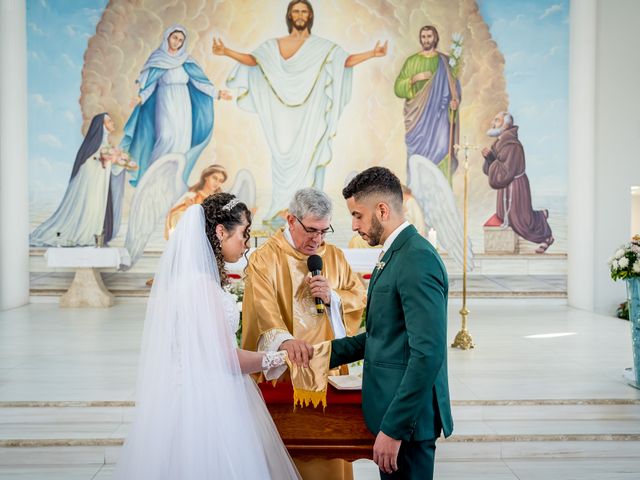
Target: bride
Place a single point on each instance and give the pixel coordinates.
(198, 413)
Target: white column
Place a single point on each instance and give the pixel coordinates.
(14, 189)
(582, 158)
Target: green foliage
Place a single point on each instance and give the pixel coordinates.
(623, 311)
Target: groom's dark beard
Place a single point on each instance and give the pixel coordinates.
(375, 233)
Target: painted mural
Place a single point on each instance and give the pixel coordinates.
(139, 109)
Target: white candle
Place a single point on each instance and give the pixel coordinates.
(432, 236)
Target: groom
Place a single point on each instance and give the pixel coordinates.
(405, 392)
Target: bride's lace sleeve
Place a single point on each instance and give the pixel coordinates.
(273, 360)
(270, 342)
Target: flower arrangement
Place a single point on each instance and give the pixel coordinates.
(455, 54)
(117, 157)
(625, 262)
(236, 288)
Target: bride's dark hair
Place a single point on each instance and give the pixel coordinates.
(215, 214)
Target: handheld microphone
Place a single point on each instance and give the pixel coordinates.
(314, 264)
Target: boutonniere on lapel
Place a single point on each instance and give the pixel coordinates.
(380, 265)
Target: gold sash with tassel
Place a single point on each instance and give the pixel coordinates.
(310, 384)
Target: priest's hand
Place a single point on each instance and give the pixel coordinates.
(320, 288)
(485, 152)
(454, 104)
(299, 351)
(385, 452)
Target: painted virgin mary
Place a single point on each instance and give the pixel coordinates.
(174, 111)
(90, 205)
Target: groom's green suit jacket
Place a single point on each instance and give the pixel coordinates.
(405, 390)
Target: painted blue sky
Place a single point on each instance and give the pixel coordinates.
(57, 36)
(532, 34)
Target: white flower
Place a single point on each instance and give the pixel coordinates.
(457, 51)
(610, 261)
(457, 37)
(619, 253)
(452, 62)
(623, 262)
(614, 265)
(636, 266)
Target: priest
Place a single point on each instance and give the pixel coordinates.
(279, 311)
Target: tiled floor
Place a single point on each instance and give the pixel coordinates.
(539, 374)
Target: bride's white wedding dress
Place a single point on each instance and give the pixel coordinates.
(197, 416)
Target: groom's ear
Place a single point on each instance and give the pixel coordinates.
(383, 209)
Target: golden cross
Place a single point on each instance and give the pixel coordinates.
(465, 147)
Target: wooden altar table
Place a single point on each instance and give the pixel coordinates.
(308, 433)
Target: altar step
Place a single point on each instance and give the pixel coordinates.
(126, 284)
(494, 276)
(485, 264)
(91, 433)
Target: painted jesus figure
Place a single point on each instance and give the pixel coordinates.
(298, 85)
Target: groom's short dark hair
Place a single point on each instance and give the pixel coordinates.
(377, 181)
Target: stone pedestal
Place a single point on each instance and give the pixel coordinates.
(87, 290)
(500, 240)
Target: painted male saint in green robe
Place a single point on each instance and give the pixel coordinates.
(432, 97)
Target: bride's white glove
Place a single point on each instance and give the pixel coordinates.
(273, 359)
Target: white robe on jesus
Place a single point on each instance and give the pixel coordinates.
(299, 102)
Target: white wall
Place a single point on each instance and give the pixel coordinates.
(635, 210)
(617, 140)
(599, 183)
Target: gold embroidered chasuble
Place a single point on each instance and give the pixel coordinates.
(277, 298)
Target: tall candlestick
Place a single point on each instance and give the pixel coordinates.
(463, 339)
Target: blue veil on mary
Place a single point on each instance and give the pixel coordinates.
(141, 132)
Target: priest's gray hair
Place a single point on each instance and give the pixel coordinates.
(310, 202)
